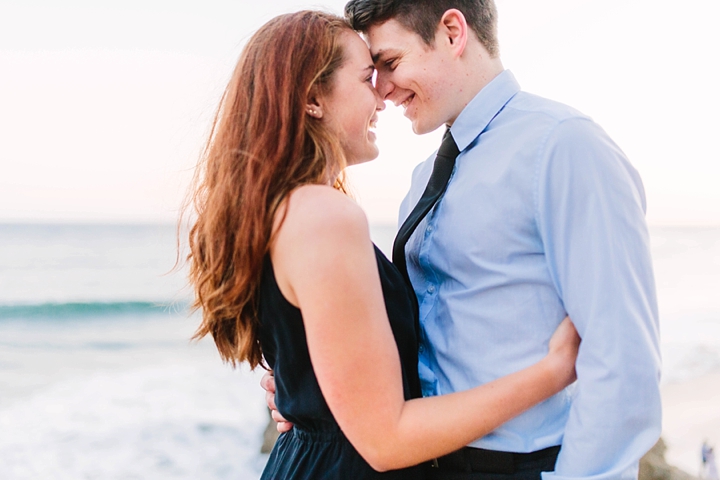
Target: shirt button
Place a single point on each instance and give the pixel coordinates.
(431, 289)
(429, 228)
(421, 348)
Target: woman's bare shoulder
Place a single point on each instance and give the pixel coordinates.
(319, 210)
(315, 228)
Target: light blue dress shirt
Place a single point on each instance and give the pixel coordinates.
(543, 216)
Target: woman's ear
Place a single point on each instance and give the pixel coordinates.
(454, 30)
(313, 107)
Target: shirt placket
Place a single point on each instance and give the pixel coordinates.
(427, 296)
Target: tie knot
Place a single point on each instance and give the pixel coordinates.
(448, 147)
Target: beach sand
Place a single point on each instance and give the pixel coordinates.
(691, 414)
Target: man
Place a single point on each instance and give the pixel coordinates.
(542, 216)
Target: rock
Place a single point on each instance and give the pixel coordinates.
(654, 467)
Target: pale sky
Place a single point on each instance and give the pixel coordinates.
(104, 106)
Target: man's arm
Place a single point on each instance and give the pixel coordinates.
(590, 211)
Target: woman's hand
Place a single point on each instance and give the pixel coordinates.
(563, 351)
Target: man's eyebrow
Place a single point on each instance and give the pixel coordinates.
(383, 53)
(377, 56)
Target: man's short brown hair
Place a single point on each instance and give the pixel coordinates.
(423, 17)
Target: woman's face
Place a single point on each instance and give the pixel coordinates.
(350, 109)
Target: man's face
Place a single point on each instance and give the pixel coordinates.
(412, 74)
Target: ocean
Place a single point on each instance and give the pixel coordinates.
(98, 378)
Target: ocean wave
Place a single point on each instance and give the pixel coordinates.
(88, 309)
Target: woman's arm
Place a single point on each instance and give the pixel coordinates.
(325, 264)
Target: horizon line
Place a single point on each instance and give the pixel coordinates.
(174, 223)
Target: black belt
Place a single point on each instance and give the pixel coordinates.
(470, 459)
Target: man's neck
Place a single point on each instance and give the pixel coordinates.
(479, 70)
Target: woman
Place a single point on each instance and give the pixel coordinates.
(283, 267)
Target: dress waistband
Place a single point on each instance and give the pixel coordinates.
(301, 434)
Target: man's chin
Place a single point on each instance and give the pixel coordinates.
(417, 126)
(421, 128)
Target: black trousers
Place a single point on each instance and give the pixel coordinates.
(477, 464)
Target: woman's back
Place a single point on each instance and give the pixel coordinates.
(315, 447)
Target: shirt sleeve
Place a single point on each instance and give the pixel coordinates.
(591, 218)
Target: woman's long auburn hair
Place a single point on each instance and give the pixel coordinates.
(262, 146)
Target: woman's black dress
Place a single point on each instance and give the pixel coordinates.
(316, 447)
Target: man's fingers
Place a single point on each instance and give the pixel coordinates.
(277, 416)
(283, 427)
(270, 400)
(267, 382)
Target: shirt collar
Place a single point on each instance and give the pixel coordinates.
(478, 114)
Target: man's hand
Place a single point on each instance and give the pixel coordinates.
(267, 382)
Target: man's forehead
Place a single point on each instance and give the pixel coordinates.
(389, 38)
(381, 45)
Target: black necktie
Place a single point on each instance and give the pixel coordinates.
(442, 168)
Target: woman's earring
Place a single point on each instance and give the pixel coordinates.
(313, 112)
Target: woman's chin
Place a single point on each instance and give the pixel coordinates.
(368, 156)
